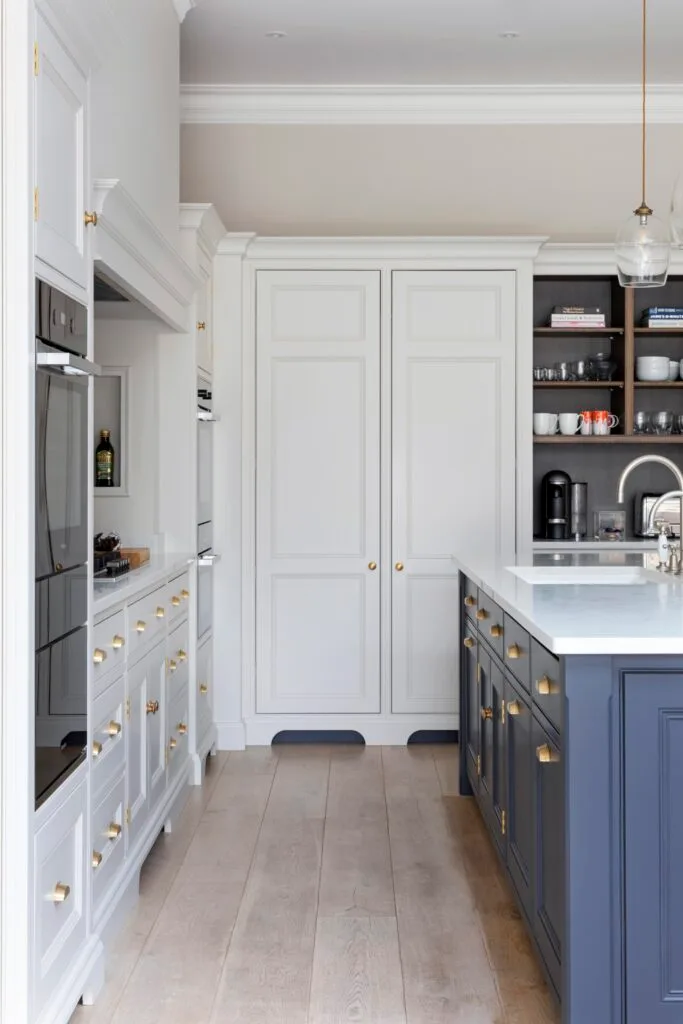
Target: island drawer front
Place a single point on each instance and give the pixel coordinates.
(108, 646)
(108, 743)
(146, 622)
(489, 617)
(107, 840)
(470, 597)
(546, 683)
(178, 596)
(517, 651)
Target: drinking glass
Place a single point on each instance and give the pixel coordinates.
(663, 422)
(642, 423)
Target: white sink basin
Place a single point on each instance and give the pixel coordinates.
(621, 575)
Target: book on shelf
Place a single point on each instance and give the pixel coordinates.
(576, 322)
(658, 322)
(662, 319)
(662, 311)
(579, 310)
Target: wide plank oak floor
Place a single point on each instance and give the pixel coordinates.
(322, 885)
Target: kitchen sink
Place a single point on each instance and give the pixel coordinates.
(610, 575)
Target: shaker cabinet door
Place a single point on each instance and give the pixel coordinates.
(549, 878)
(470, 726)
(520, 826)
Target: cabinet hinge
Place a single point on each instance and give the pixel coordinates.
(503, 822)
(36, 59)
(36, 203)
(128, 816)
(128, 708)
(478, 673)
(478, 764)
(502, 712)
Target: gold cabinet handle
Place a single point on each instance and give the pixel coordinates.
(514, 651)
(545, 686)
(514, 708)
(399, 567)
(96, 748)
(61, 892)
(160, 612)
(99, 656)
(372, 566)
(203, 689)
(140, 626)
(182, 655)
(172, 666)
(201, 325)
(114, 728)
(486, 713)
(175, 600)
(482, 614)
(173, 743)
(90, 218)
(496, 631)
(113, 830)
(152, 707)
(117, 642)
(182, 728)
(184, 594)
(470, 602)
(546, 755)
(96, 859)
(468, 642)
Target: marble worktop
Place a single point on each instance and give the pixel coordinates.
(586, 618)
(109, 594)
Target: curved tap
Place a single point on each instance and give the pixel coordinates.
(641, 461)
(657, 505)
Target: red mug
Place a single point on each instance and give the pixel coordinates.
(587, 422)
(603, 421)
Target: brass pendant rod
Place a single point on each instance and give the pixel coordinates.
(643, 203)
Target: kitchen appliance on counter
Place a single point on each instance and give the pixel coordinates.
(579, 511)
(669, 512)
(205, 555)
(556, 505)
(62, 536)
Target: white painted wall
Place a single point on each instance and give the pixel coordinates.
(135, 110)
(572, 182)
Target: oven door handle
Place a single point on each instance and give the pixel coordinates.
(204, 416)
(68, 363)
(206, 561)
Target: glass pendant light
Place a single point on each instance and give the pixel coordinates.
(643, 247)
(677, 212)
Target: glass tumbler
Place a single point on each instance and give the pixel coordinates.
(642, 423)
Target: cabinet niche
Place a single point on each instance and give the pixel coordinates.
(111, 413)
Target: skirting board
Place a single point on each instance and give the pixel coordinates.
(376, 730)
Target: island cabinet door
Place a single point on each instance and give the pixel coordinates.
(548, 874)
(496, 726)
(520, 818)
(653, 748)
(470, 725)
(485, 712)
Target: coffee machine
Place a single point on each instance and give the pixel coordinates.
(556, 505)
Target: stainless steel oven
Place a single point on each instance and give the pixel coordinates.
(62, 535)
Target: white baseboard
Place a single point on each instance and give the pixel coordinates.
(376, 730)
(230, 736)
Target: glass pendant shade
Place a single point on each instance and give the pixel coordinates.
(643, 250)
(677, 212)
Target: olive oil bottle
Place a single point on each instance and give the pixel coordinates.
(104, 461)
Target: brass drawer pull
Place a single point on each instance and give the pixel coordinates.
(182, 655)
(140, 626)
(172, 666)
(96, 859)
(482, 614)
(96, 748)
(546, 755)
(113, 830)
(152, 707)
(468, 642)
(486, 713)
(203, 689)
(514, 651)
(173, 743)
(514, 708)
(160, 612)
(546, 687)
(175, 601)
(61, 893)
(496, 631)
(184, 594)
(470, 602)
(99, 656)
(182, 728)
(114, 728)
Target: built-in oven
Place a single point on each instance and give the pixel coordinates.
(62, 535)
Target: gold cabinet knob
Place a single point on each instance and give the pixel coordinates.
(61, 892)
(172, 666)
(160, 612)
(399, 567)
(182, 728)
(173, 743)
(496, 631)
(152, 707)
(514, 708)
(514, 651)
(203, 689)
(545, 686)
(546, 755)
(114, 728)
(201, 325)
(468, 642)
(470, 602)
(482, 614)
(90, 218)
(117, 642)
(184, 594)
(113, 830)
(140, 626)
(486, 713)
(372, 566)
(99, 656)
(96, 859)
(182, 655)
(175, 600)
(96, 748)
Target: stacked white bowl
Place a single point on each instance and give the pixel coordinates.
(652, 368)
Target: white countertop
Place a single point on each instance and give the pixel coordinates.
(588, 618)
(159, 567)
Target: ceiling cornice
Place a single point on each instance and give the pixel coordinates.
(436, 105)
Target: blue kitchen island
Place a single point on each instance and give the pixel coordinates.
(571, 741)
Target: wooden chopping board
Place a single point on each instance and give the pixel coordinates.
(136, 556)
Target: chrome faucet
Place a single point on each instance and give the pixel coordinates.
(663, 461)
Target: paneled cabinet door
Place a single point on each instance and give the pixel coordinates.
(155, 710)
(492, 745)
(137, 803)
(453, 463)
(548, 874)
(520, 827)
(60, 154)
(317, 492)
(653, 742)
(470, 728)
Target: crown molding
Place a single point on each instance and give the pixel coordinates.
(201, 231)
(510, 248)
(438, 105)
(88, 28)
(183, 6)
(588, 258)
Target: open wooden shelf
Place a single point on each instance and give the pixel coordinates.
(658, 384)
(609, 439)
(603, 385)
(559, 331)
(658, 330)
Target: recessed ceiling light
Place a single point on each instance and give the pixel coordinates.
(509, 35)
(277, 34)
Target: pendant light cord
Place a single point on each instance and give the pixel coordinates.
(643, 91)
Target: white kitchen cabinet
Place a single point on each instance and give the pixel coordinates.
(146, 757)
(61, 125)
(452, 463)
(204, 328)
(318, 491)
(204, 694)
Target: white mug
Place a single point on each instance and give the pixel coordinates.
(545, 423)
(553, 422)
(570, 422)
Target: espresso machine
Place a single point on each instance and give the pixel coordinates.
(556, 489)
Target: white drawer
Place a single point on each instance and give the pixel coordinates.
(107, 839)
(204, 702)
(178, 596)
(59, 894)
(109, 646)
(178, 734)
(177, 661)
(108, 750)
(146, 622)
